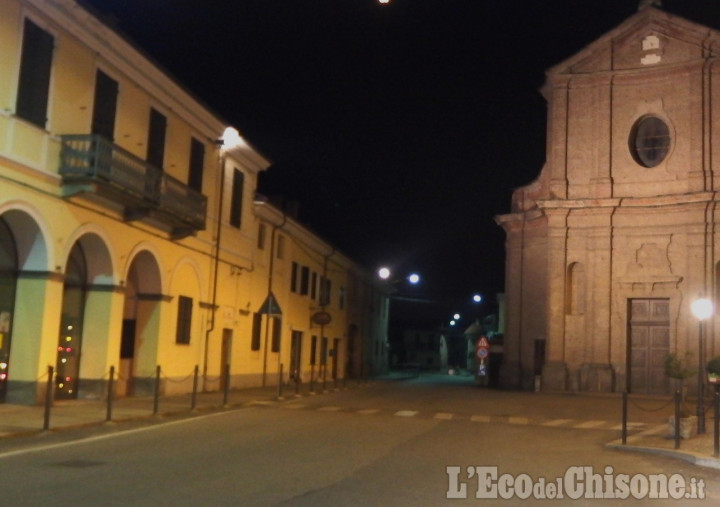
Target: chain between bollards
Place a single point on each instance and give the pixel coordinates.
(48, 397)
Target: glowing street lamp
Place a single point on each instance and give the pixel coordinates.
(477, 298)
(456, 316)
(702, 309)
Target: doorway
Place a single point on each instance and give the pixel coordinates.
(295, 356)
(648, 345)
(225, 355)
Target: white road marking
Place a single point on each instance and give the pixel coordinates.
(558, 422)
(406, 413)
(444, 416)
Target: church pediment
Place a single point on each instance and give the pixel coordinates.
(649, 39)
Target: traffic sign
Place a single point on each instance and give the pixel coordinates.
(482, 352)
(483, 343)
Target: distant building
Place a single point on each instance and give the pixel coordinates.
(130, 236)
(608, 248)
(426, 349)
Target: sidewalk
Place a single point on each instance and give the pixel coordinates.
(697, 450)
(23, 420)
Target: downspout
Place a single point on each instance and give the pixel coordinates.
(216, 267)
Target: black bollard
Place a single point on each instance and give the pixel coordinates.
(226, 384)
(193, 398)
(624, 416)
(716, 423)
(48, 397)
(156, 392)
(677, 420)
(108, 415)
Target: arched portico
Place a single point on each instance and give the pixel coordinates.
(141, 325)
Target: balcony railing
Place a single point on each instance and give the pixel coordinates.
(142, 189)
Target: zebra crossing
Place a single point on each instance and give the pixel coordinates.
(567, 423)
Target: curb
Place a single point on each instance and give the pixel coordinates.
(688, 456)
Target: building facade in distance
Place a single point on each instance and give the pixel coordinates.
(609, 246)
(131, 236)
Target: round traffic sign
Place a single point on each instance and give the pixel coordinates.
(482, 352)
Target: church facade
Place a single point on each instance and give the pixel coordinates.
(608, 248)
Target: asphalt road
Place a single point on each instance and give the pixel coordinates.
(389, 444)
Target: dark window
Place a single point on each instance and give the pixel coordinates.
(257, 325)
(261, 237)
(650, 141)
(106, 92)
(184, 320)
(197, 159)
(325, 288)
(313, 286)
(341, 298)
(34, 83)
(276, 334)
(323, 351)
(280, 246)
(237, 198)
(294, 277)
(313, 349)
(305, 281)
(156, 139)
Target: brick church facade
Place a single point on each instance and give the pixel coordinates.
(619, 234)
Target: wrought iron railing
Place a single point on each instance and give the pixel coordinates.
(94, 158)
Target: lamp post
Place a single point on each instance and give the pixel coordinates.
(702, 309)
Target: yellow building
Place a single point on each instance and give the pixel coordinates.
(130, 236)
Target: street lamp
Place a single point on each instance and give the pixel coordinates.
(702, 309)
(384, 273)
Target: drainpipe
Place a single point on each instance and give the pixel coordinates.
(216, 266)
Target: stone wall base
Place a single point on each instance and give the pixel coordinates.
(555, 376)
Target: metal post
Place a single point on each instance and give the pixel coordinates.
(677, 419)
(156, 393)
(280, 374)
(716, 423)
(297, 383)
(193, 399)
(312, 378)
(108, 416)
(48, 397)
(226, 384)
(701, 380)
(624, 416)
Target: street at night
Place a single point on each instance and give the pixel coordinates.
(385, 443)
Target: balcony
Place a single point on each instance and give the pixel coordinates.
(92, 166)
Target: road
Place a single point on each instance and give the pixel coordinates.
(387, 444)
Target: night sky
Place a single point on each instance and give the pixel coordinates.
(400, 129)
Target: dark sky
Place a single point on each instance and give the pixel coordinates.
(401, 129)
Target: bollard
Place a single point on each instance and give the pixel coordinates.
(297, 384)
(193, 398)
(624, 430)
(108, 416)
(48, 398)
(226, 384)
(312, 378)
(677, 420)
(324, 377)
(156, 392)
(280, 373)
(716, 439)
